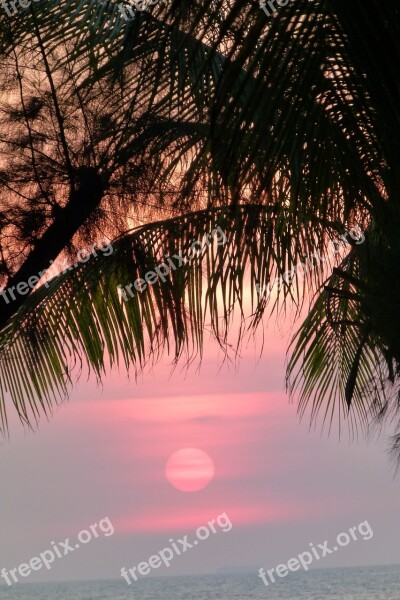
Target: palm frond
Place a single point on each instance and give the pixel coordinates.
(81, 316)
(287, 95)
(299, 111)
(338, 364)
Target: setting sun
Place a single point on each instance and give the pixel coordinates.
(189, 469)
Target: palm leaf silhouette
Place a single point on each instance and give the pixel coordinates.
(294, 118)
(81, 316)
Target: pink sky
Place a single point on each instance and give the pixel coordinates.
(104, 454)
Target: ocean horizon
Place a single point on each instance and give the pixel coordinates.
(344, 583)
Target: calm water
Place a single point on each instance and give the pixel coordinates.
(367, 583)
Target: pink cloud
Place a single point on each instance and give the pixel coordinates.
(173, 520)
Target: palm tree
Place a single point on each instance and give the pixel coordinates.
(281, 129)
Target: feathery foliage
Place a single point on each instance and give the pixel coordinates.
(294, 117)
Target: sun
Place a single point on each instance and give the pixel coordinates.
(189, 469)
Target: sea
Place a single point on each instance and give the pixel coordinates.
(361, 583)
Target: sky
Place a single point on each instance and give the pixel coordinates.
(280, 484)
